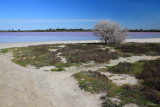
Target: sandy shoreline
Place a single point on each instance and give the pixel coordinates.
(21, 44)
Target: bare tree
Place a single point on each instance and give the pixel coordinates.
(110, 32)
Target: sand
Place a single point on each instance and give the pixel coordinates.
(22, 44)
(30, 87)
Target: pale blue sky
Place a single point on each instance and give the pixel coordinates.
(43, 14)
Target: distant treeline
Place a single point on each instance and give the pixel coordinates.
(141, 30)
(49, 30)
(74, 30)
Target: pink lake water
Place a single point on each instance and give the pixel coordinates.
(11, 37)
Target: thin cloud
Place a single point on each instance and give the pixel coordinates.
(38, 21)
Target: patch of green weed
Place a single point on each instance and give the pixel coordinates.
(58, 69)
(126, 68)
(95, 82)
(35, 55)
(6, 50)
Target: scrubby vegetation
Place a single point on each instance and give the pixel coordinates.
(151, 94)
(147, 93)
(39, 56)
(151, 78)
(75, 53)
(3, 51)
(139, 48)
(149, 72)
(122, 67)
(95, 82)
(126, 68)
(128, 94)
(81, 53)
(58, 69)
(35, 55)
(133, 94)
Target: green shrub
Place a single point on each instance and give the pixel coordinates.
(126, 68)
(5, 50)
(140, 48)
(151, 95)
(151, 74)
(122, 67)
(95, 82)
(151, 80)
(58, 69)
(35, 55)
(81, 53)
(132, 94)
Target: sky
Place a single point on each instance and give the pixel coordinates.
(44, 14)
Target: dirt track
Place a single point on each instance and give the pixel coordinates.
(29, 87)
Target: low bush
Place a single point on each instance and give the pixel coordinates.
(81, 53)
(140, 48)
(153, 83)
(151, 74)
(58, 69)
(35, 55)
(126, 68)
(151, 80)
(151, 95)
(63, 65)
(132, 94)
(3, 51)
(109, 103)
(122, 67)
(95, 82)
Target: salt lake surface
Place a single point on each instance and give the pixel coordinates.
(11, 37)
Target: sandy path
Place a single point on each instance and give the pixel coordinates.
(29, 87)
(17, 87)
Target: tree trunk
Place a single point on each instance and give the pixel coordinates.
(105, 40)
